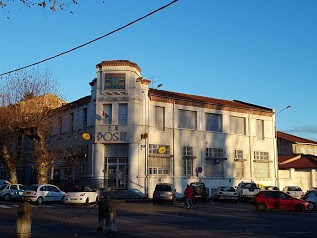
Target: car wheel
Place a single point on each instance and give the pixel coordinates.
(311, 205)
(62, 200)
(7, 197)
(39, 201)
(299, 208)
(261, 206)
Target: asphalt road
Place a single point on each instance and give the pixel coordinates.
(142, 219)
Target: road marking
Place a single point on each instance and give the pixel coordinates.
(4, 206)
(299, 232)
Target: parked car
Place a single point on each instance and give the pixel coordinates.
(294, 191)
(11, 191)
(246, 190)
(270, 188)
(81, 195)
(40, 193)
(3, 181)
(200, 191)
(226, 193)
(164, 192)
(273, 199)
(311, 198)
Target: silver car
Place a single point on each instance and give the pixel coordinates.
(294, 191)
(311, 197)
(164, 192)
(11, 191)
(40, 193)
(226, 193)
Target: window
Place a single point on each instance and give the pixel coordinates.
(260, 155)
(123, 114)
(239, 163)
(160, 118)
(237, 125)
(159, 149)
(187, 119)
(214, 162)
(85, 118)
(214, 168)
(60, 125)
(261, 164)
(71, 124)
(188, 161)
(107, 114)
(160, 161)
(213, 122)
(160, 165)
(188, 151)
(188, 166)
(260, 129)
(214, 153)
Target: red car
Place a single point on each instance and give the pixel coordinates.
(272, 199)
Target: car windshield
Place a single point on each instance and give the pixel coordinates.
(163, 188)
(79, 189)
(2, 186)
(249, 185)
(197, 185)
(32, 187)
(227, 189)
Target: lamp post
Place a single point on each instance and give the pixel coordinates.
(275, 146)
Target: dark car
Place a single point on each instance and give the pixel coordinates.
(274, 199)
(200, 191)
(164, 192)
(311, 197)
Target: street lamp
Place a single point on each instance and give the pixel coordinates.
(275, 146)
(282, 110)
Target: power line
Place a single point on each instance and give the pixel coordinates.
(89, 42)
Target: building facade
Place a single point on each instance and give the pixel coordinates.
(128, 135)
(297, 161)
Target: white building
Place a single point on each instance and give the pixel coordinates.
(140, 136)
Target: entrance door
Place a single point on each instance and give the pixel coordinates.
(116, 172)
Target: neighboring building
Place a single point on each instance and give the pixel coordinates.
(127, 135)
(297, 161)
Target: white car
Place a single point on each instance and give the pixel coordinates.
(294, 191)
(11, 191)
(226, 193)
(81, 195)
(40, 193)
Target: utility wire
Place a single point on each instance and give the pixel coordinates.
(77, 47)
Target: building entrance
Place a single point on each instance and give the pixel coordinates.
(116, 172)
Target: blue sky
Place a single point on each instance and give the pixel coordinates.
(260, 52)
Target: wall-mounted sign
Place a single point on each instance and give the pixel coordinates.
(162, 150)
(199, 170)
(114, 81)
(112, 136)
(85, 136)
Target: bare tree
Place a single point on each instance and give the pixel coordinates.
(29, 100)
(52, 5)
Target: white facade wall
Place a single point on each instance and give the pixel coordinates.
(115, 141)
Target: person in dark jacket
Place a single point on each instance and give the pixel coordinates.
(188, 193)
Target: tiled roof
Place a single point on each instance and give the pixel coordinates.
(304, 162)
(79, 102)
(293, 138)
(118, 63)
(158, 95)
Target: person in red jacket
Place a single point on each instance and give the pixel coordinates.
(188, 193)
